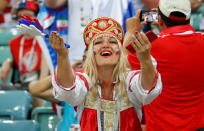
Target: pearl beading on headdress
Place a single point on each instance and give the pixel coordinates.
(103, 25)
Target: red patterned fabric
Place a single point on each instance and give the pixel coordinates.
(103, 25)
(84, 79)
(15, 50)
(128, 120)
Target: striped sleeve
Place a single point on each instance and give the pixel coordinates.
(136, 91)
(75, 94)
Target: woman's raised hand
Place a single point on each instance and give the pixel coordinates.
(57, 43)
(142, 45)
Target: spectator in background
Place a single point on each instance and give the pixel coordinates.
(196, 4)
(145, 5)
(197, 15)
(179, 58)
(26, 53)
(6, 20)
(53, 19)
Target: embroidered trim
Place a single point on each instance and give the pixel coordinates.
(66, 89)
(154, 84)
(132, 78)
(83, 78)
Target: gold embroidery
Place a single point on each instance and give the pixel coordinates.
(109, 121)
(100, 26)
(109, 108)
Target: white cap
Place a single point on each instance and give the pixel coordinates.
(169, 6)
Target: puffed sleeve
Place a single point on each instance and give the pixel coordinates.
(137, 93)
(75, 94)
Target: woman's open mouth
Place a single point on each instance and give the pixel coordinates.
(106, 53)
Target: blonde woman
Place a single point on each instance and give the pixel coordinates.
(107, 95)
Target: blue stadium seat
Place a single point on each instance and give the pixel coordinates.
(47, 118)
(58, 126)
(7, 35)
(15, 105)
(4, 55)
(19, 125)
(47, 104)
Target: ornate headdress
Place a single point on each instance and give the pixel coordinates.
(100, 26)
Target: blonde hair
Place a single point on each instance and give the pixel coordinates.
(119, 72)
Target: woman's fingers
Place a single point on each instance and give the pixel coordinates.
(141, 43)
(61, 41)
(54, 40)
(140, 38)
(134, 45)
(57, 43)
(147, 43)
(51, 38)
(137, 43)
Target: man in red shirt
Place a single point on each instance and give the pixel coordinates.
(178, 54)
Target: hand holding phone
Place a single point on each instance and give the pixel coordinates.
(150, 35)
(148, 15)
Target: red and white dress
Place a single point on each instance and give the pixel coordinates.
(93, 112)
